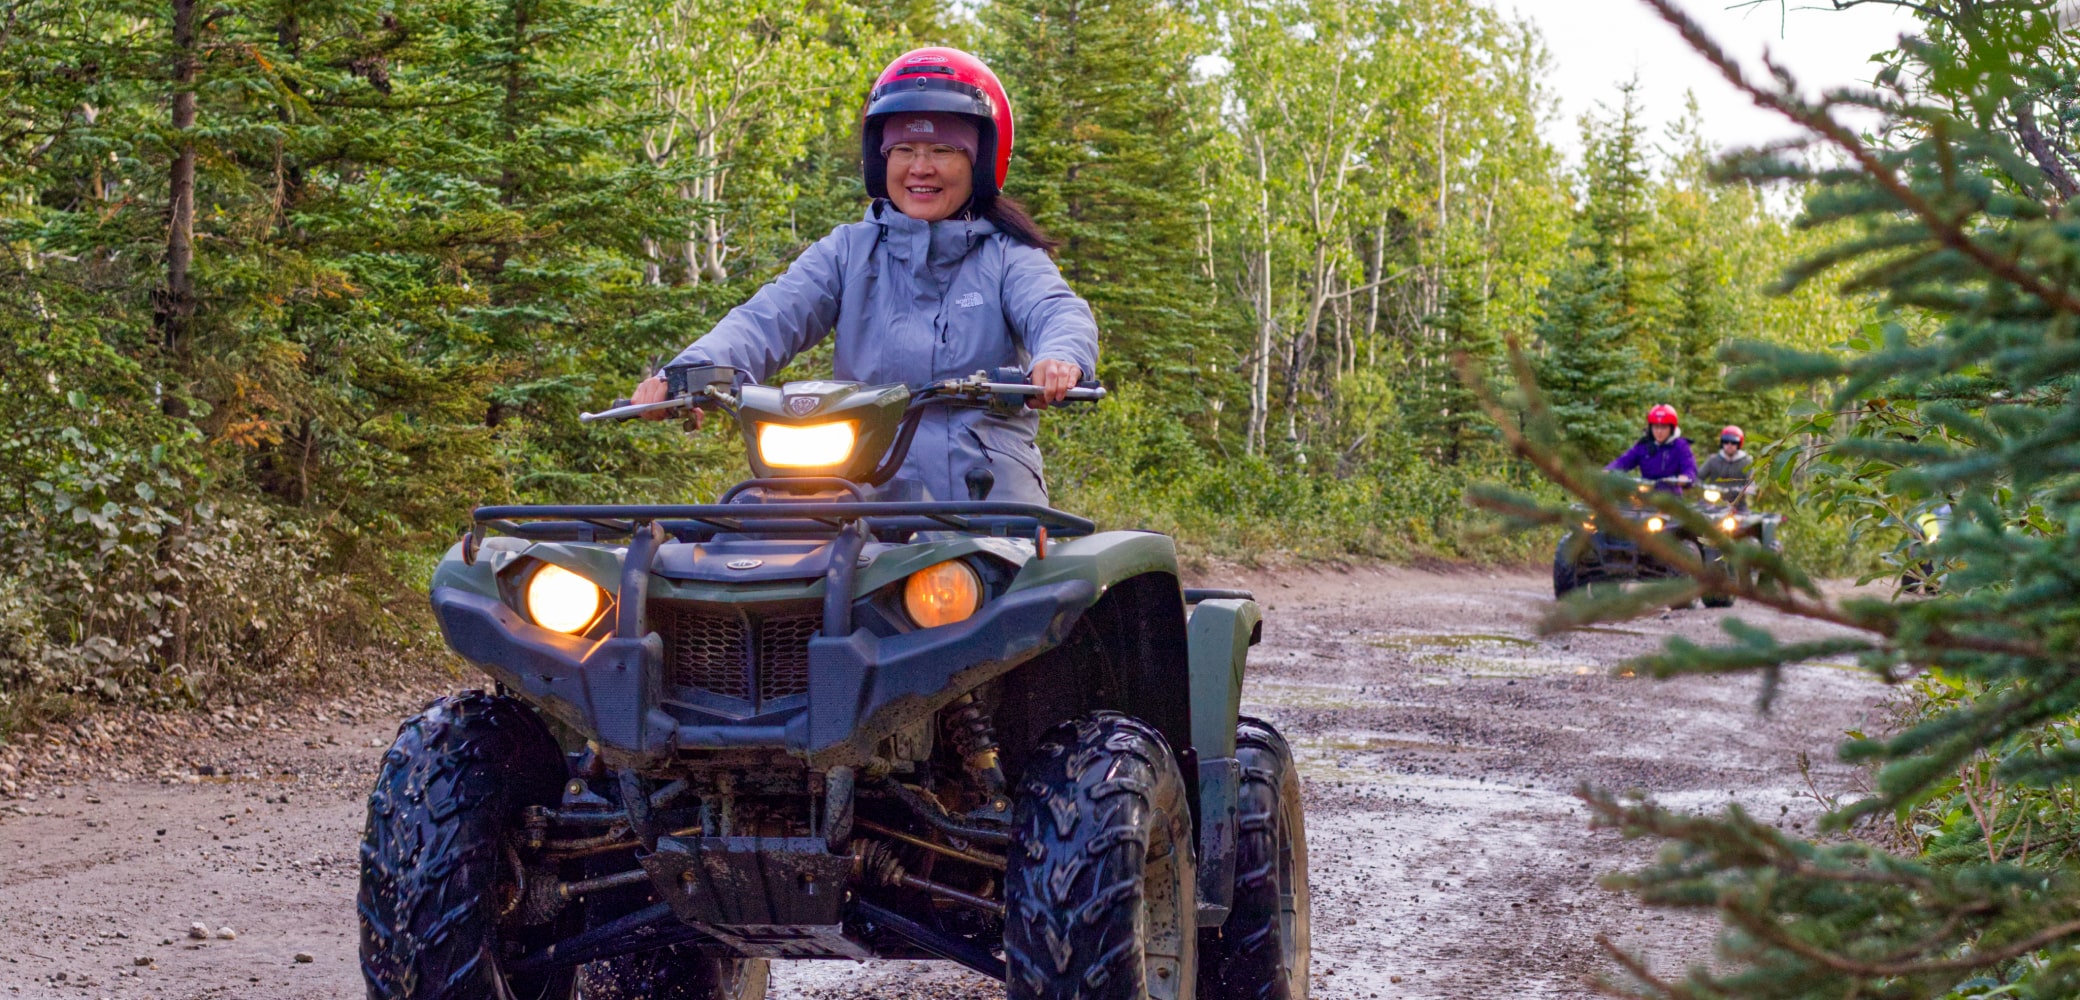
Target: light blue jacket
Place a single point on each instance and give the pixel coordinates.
(914, 302)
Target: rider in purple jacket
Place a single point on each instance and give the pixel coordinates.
(1662, 454)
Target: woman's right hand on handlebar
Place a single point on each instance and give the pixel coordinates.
(653, 390)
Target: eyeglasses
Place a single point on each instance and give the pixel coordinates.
(939, 154)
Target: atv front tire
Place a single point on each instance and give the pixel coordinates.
(675, 973)
(1261, 952)
(1564, 578)
(1101, 899)
(436, 871)
(1712, 562)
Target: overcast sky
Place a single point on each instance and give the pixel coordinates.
(1596, 44)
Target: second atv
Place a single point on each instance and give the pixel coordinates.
(814, 720)
(1595, 554)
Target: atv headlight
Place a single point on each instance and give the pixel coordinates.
(942, 594)
(1656, 524)
(1712, 496)
(1730, 524)
(808, 446)
(562, 601)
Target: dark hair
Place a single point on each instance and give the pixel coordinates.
(1011, 219)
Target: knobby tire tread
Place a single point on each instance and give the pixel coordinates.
(455, 779)
(1091, 796)
(1244, 959)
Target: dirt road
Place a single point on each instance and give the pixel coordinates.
(1439, 741)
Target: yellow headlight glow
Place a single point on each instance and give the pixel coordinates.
(562, 601)
(942, 594)
(1656, 524)
(1730, 525)
(1712, 496)
(812, 446)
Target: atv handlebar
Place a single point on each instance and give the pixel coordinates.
(975, 390)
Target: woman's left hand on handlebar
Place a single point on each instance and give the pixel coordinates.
(653, 390)
(1055, 379)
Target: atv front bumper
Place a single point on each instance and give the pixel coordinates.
(862, 687)
(1609, 556)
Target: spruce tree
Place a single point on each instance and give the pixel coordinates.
(1108, 121)
(1601, 326)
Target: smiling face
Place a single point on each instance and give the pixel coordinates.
(1662, 432)
(929, 181)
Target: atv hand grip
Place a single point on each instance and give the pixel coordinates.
(1085, 392)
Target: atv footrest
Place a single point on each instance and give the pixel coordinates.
(780, 896)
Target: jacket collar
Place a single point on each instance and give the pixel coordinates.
(943, 242)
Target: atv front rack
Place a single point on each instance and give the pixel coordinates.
(885, 520)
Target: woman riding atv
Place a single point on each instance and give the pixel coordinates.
(1729, 465)
(1662, 453)
(945, 277)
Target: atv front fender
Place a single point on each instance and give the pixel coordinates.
(607, 688)
(1220, 635)
(861, 688)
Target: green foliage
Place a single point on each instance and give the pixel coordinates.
(1129, 463)
(427, 233)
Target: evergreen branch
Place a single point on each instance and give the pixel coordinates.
(1635, 968)
(1768, 929)
(1786, 101)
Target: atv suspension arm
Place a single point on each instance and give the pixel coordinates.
(940, 821)
(943, 945)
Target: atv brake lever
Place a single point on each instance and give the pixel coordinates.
(625, 410)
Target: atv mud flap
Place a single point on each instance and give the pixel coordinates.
(764, 897)
(1220, 783)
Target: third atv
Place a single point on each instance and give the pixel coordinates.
(815, 720)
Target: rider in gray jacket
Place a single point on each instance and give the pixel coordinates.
(943, 278)
(1730, 464)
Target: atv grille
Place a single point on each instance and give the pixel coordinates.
(783, 654)
(746, 655)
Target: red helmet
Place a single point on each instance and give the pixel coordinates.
(1662, 414)
(940, 79)
(1734, 434)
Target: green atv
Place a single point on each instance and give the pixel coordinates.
(811, 721)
